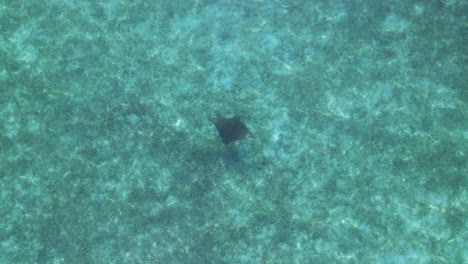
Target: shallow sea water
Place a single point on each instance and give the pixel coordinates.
(358, 110)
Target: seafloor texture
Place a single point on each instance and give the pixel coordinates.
(359, 111)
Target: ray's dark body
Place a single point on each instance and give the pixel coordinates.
(231, 129)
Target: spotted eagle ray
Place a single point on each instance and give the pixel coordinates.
(231, 129)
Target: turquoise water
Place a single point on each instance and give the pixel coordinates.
(359, 111)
